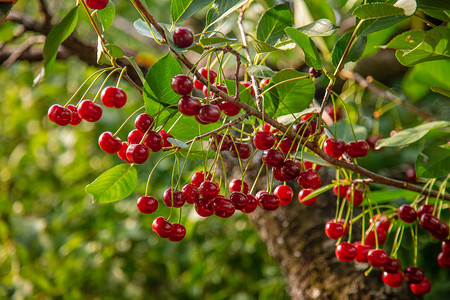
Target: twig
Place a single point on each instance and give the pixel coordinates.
(47, 16)
(22, 48)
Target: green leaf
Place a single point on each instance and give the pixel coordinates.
(197, 154)
(320, 9)
(319, 191)
(433, 4)
(410, 135)
(244, 93)
(215, 40)
(406, 40)
(344, 131)
(260, 71)
(374, 25)
(143, 28)
(321, 27)
(113, 185)
(314, 159)
(355, 51)
(271, 25)
(433, 162)
(181, 10)
(56, 36)
(221, 9)
(262, 47)
(441, 90)
(290, 95)
(187, 127)
(443, 15)
(106, 15)
(435, 46)
(387, 196)
(312, 57)
(377, 10)
(136, 67)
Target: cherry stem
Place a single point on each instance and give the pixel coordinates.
(154, 168)
(129, 117)
(104, 83)
(397, 240)
(121, 75)
(92, 84)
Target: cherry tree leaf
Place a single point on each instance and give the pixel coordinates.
(106, 15)
(220, 10)
(433, 162)
(181, 10)
(355, 51)
(113, 185)
(407, 40)
(312, 57)
(260, 71)
(271, 25)
(321, 27)
(377, 10)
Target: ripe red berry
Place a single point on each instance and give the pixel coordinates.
(123, 152)
(303, 194)
(89, 111)
(164, 135)
(441, 233)
(377, 257)
(223, 207)
(241, 150)
(182, 84)
(277, 174)
(260, 193)
(204, 207)
(199, 177)
(285, 193)
(425, 209)
(217, 140)
(173, 198)
(381, 221)
(288, 145)
(444, 260)
(407, 214)
(162, 227)
(362, 251)
(137, 153)
(75, 117)
(113, 97)
(60, 115)
(393, 279)
(429, 222)
(178, 232)
(422, 288)
(183, 37)
(290, 170)
(272, 158)
(413, 274)
(143, 122)
(309, 179)
(208, 113)
(229, 108)
(357, 149)
(345, 252)
(314, 72)
(334, 230)
(147, 204)
(309, 165)
(153, 141)
(269, 201)
(239, 199)
(135, 136)
(355, 196)
(97, 4)
(109, 143)
(189, 106)
(237, 185)
(191, 193)
(393, 265)
(340, 190)
(329, 109)
(209, 189)
(204, 72)
(251, 205)
(263, 83)
(263, 140)
(370, 236)
(334, 147)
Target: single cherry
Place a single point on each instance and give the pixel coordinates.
(147, 204)
(223, 207)
(381, 221)
(182, 84)
(183, 37)
(362, 251)
(178, 232)
(446, 246)
(288, 145)
(204, 207)
(357, 149)
(239, 199)
(340, 190)
(334, 230)
(189, 106)
(109, 143)
(309, 179)
(217, 140)
(123, 152)
(272, 158)
(421, 288)
(345, 252)
(334, 147)
(377, 257)
(209, 189)
(208, 113)
(269, 201)
(392, 266)
(199, 177)
(137, 153)
(229, 108)
(143, 122)
(413, 274)
(97, 4)
(241, 150)
(285, 193)
(407, 213)
(75, 117)
(135, 136)
(173, 198)
(263, 140)
(204, 72)
(113, 97)
(429, 222)
(370, 237)
(164, 135)
(393, 279)
(290, 170)
(355, 196)
(237, 185)
(153, 141)
(444, 260)
(329, 109)
(162, 227)
(89, 111)
(303, 194)
(425, 209)
(60, 115)
(441, 233)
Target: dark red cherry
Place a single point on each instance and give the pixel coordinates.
(334, 230)
(303, 194)
(444, 260)
(135, 136)
(191, 193)
(251, 205)
(237, 185)
(413, 274)
(407, 214)
(173, 198)
(97, 4)
(269, 201)
(241, 150)
(377, 257)
(123, 152)
(345, 252)
(285, 193)
(189, 106)
(263, 140)
(113, 97)
(334, 147)
(329, 109)
(229, 108)
(239, 199)
(147, 204)
(370, 237)
(209, 189)
(153, 141)
(309, 179)
(277, 174)
(446, 246)
(162, 227)
(217, 140)
(288, 145)
(223, 207)
(183, 37)
(393, 279)
(137, 153)
(181, 84)
(164, 135)
(357, 149)
(109, 143)
(75, 117)
(362, 251)
(143, 122)
(421, 288)
(60, 115)
(441, 233)
(393, 265)
(340, 190)
(355, 196)
(89, 111)
(290, 170)
(272, 158)
(204, 72)
(429, 222)
(178, 232)
(209, 113)
(204, 207)
(425, 209)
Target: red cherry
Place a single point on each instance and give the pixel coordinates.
(183, 37)
(239, 199)
(340, 190)
(164, 135)
(137, 153)
(441, 233)
(60, 115)
(109, 143)
(277, 174)
(89, 111)
(209, 113)
(357, 149)
(216, 140)
(407, 214)
(370, 237)
(248, 84)
(75, 117)
(237, 185)
(393, 265)
(162, 227)
(303, 194)
(198, 178)
(329, 109)
(241, 150)
(429, 222)
(334, 230)
(204, 72)
(251, 205)
(113, 97)
(314, 72)
(153, 141)
(425, 209)
(143, 122)
(362, 251)
(189, 106)
(288, 145)
(204, 208)
(181, 84)
(267, 127)
(191, 194)
(372, 141)
(260, 193)
(377, 257)
(135, 136)
(422, 288)
(97, 4)
(381, 221)
(272, 158)
(263, 140)
(334, 147)
(444, 260)
(446, 246)
(178, 232)
(229, 108)
(209, 189)
(355, 196)
(413, 275)
(309, 165)
(269, 201)
(123, 152)
(393, 279)
(309, 179)
(345, 252)
(147, 204)
(290, 170)
(285, 193)
(223, 207)
(173, 198)
(264, 82)
(411, 174)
